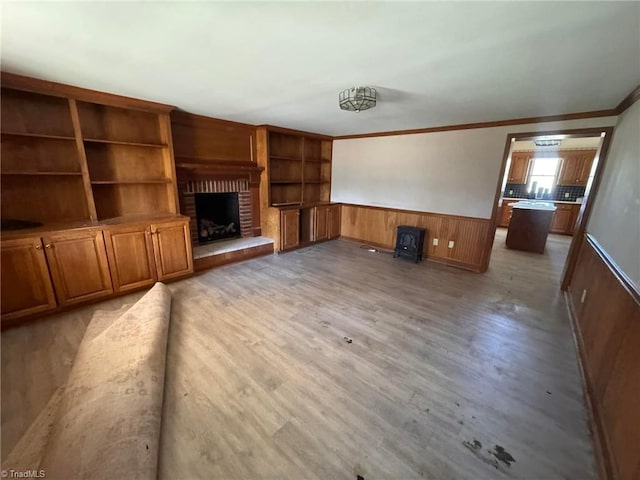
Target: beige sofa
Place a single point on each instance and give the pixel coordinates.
(105, 421)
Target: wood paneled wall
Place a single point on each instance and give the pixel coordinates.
(377, 226)
(198, 137)
(605, 311)
(210, 149)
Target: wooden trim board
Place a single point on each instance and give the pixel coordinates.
(612, 112)
(36, 85)
(213, 261)
(605, 318)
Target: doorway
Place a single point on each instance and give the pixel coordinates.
(558, 169)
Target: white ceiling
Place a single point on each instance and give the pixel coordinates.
(433, 63)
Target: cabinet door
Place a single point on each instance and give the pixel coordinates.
(519, 169)
(321, 223)
(586, 162)
(334, 221)
(289, 228)
(172, 249)
(562, 219)
(78, 265)
(26, 285)
(130, 253)
(570, 170)
(575, 212)
(505, 215)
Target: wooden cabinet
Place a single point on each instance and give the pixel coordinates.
(298, 166)
(307, 225)
(73, 157)
(576, 167)
(519, 169)
(67, 158)
(172, 249)
(333, 221)
(78, 265)
(297, 173)
(290, 228)
(26, 285)
(506, 211)
(131, 259)
(322, 222)
(564, 218)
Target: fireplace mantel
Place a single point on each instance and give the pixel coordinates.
(188, 169)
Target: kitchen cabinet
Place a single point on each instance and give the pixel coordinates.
(78, 264)
(130, 254)
(564, 219)
(576, 167)
(172, 249)
(519, 169)
(26, 285)
(506, 212)
(529, 228)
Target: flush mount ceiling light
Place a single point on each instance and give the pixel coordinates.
(546, 143)
(356, 99)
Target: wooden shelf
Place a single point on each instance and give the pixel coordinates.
(39, 135)
(129, 182)
(286, 182)
(316, 160)
(43, 173)
(288, 159)
(286, 204)
(317, 181)
(132, 144)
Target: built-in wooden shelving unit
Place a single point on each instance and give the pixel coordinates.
(89, 202)
(298, 168)
(72, 159)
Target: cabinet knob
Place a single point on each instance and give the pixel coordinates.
(38, 247)
(48, 245)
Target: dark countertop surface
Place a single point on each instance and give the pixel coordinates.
(507, 199)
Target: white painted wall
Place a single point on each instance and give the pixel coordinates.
(615, 219)
(452, 172)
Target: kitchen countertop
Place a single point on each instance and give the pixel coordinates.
(505, 199)
(535, 205)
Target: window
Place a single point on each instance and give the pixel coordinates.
(543, 175)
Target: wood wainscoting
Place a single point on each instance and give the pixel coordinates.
(605, 311)
(377, 226)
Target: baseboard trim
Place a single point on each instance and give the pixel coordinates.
(598, 434)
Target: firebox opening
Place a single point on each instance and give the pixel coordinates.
(217, 216)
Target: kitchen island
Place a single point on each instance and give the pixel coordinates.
(529, 226)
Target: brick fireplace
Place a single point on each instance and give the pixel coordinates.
(188, 191)
(202, 177)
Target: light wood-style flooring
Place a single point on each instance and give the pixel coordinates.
(333, 361)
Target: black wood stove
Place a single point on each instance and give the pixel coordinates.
(409, 242)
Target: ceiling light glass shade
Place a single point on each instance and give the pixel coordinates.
(356, 99)
(547, 143)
